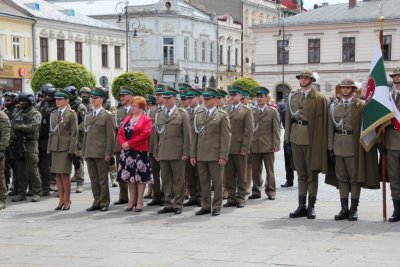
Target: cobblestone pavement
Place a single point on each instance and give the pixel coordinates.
(261, 234)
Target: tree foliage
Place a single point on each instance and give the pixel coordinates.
(61, 74)
(138, 81)
(247, 83)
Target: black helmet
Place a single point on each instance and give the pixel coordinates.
(50, 91)
(11, 95)
(72, 90)
(27, 97)
(45, 86)
(86, 90)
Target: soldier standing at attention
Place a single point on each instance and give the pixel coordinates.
(98, 148)
(211, 137)
(172, 149)
(242, 126)
(81, 111)
(393, 150)
(84, 93)
(221, 99)
(307, 132)
(4, 142)
(25, 131)
(125, 97)
(266, 141)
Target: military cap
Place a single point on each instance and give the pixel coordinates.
(235, 89)
(245, 93)
(395, 72)
(222, 93)
(210, 92)
(306, 73)
(261, 90)
(62, 94)
(184, 86)
(125, 90)
(348, 82)
(182, 95)
(193, 92)
(159, 88)
(85, 90)
(169, 91)
(150, 99)
(98, 91)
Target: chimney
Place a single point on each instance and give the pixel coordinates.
(352, 3)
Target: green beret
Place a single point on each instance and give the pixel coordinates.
(222, 93)
(61, 93)
(160, 88)
(235, 89)
(193, 92)
(210, 92)
(169, 91)
(124, 90)
(150, 99)
(260, 90)
(98, 91)
(245, 92)
(184, 86)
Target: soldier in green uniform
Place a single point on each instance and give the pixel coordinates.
(81, 111)
(157, 189)
(306, 131)
(221, 99)
(266, 141)
(84, 93)
(172, 149)
(25, 135)
(48, 106)
(4, 142)
(211, 138)
(112, 170)
(98, 148)
(242, 126)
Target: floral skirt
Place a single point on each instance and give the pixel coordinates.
(134, 166)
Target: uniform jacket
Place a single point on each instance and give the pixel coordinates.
(140, 136)
(242, 126)
(267, 131)
(152, 114)
(99, 135)
(5, 128)
(172, 140)
(81, 112)
(63, 132)
(27, 122)
(213, 139)
(313, 109)
(119, 119)
(393, 135)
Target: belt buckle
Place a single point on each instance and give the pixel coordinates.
(344, 132)
(299, 122)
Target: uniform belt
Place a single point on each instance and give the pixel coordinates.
(299, 122)
(344, 132)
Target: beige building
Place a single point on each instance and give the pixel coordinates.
(336, 41)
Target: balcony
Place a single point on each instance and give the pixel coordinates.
(169, 63)
(231, 68)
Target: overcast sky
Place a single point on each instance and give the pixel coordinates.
(309, 4)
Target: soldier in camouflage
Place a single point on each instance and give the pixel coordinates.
(4, 141)
(84, 93)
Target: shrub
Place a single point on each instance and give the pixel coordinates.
(138, 81)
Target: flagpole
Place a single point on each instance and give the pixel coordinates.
(381, 20)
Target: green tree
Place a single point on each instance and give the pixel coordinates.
(247, 83)
(61, 74)
(138, 81)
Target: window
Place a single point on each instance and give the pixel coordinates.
(186, 48)
(44, 49)
(314, 50)
(203, 51)
(349, 49)
(212, 52)
(221, 54)
(60, 50)
(117, 56)
(283, 54)
(16, 47)
(78, 52)
(196, 50)
(236, 56)
(387, 47)
(104, 56)
(168, 51)
(229, 55)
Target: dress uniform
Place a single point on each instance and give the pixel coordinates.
(172, 148)
(242, 126)
(4, 142)
(393, 150)
(306, 130)
(211, 137)
(25, 134)
(157, 189)
(266, 141)
(98, 148)
(221, 98)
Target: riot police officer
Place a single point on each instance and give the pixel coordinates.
(84, 93)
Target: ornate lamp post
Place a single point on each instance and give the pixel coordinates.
(131, 24)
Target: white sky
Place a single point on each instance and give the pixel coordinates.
(309, 4)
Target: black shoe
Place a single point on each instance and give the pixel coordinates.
(396, 212)
(287, 184)
(191, 202)
(229, 204)
(128, 209)
(29, 194)
(154, 202)
(353, 216)
(178, 211)
(93, 208)
(121, 202)
(67, 208)
(311, 208)
(59, 207)
(103, 209)
(203, 212)
(165, 210)
(46, 193)
(240, 205)
(301, 210)
(254, 196)
(344, 212)
(215, 212)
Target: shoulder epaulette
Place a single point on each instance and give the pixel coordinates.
(109, 112)
(182, 109)
(222, 111)
(245, 106)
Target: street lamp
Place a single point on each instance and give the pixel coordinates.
(131, 24)
(284, 44)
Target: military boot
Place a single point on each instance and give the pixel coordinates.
(396, 213)
(353, 216)
(311, 207)
(344, 213)
(35, 198)
(3, 204)
(301, 210)
(18, 198)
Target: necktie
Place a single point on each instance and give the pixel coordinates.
(59, 115)
(346, 102)
(233, 109)
(126, 110)
(303, 95)
(94, 113)
(168, 112)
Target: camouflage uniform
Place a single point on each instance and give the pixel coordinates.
(4, 141)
